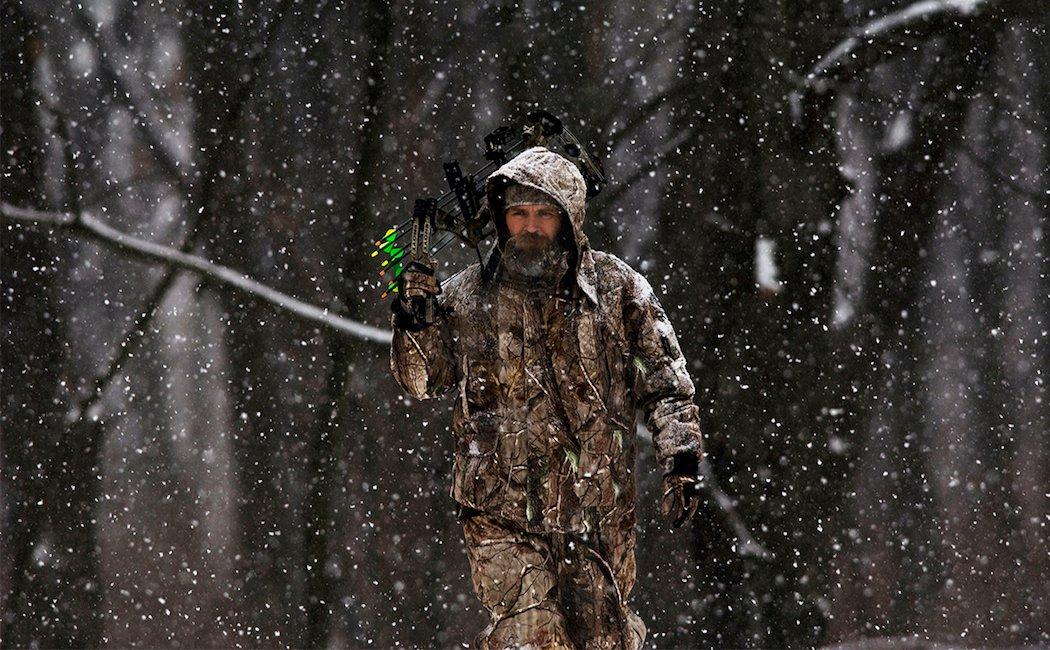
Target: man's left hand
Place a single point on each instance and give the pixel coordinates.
(681, 496)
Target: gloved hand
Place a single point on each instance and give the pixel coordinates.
(416, 286)
(681, 496)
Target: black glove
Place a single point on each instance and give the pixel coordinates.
(681, 496)
(415, 302)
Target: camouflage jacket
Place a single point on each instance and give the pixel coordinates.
(548, 384)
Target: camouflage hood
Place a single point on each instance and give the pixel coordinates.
(542, 169)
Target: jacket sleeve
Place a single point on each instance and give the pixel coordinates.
(662, 386)
(423, 362)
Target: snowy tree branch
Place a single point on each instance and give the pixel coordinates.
(746, 545)
(919, 12)
(157, 253)
(846, 53)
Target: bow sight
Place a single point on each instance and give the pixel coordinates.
(459, 213)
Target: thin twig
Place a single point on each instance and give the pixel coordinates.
(156, 253)
(1002, 177)
(604, 200)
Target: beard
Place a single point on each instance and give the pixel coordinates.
(533, 256)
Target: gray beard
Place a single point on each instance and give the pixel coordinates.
(545, 265)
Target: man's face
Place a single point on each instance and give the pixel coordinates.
(533, 227)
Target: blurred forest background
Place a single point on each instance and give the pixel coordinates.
(842, 205)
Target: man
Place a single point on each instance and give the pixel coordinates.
(551, 347)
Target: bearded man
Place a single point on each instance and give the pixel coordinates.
(551, 348)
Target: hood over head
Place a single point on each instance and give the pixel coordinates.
(544, 170)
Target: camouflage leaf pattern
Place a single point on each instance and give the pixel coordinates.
(548, 384)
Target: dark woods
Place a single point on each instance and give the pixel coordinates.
(842, 206)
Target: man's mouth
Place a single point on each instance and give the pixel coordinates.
(531, 254)
(532, 240)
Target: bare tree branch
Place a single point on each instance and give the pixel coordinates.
(606, 199)
(156, 253)
(846, 54)
(922, 11)
(1008, 180)
(39, 217)
(649, 108)
(746, 545)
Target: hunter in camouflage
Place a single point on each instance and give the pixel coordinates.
(549, 371)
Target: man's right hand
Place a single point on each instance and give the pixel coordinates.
(417, 286)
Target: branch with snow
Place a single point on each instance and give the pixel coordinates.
(924, 11)
(846, 53)
(224, 276)
(745, 546)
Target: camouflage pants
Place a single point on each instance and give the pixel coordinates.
(552, 590)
